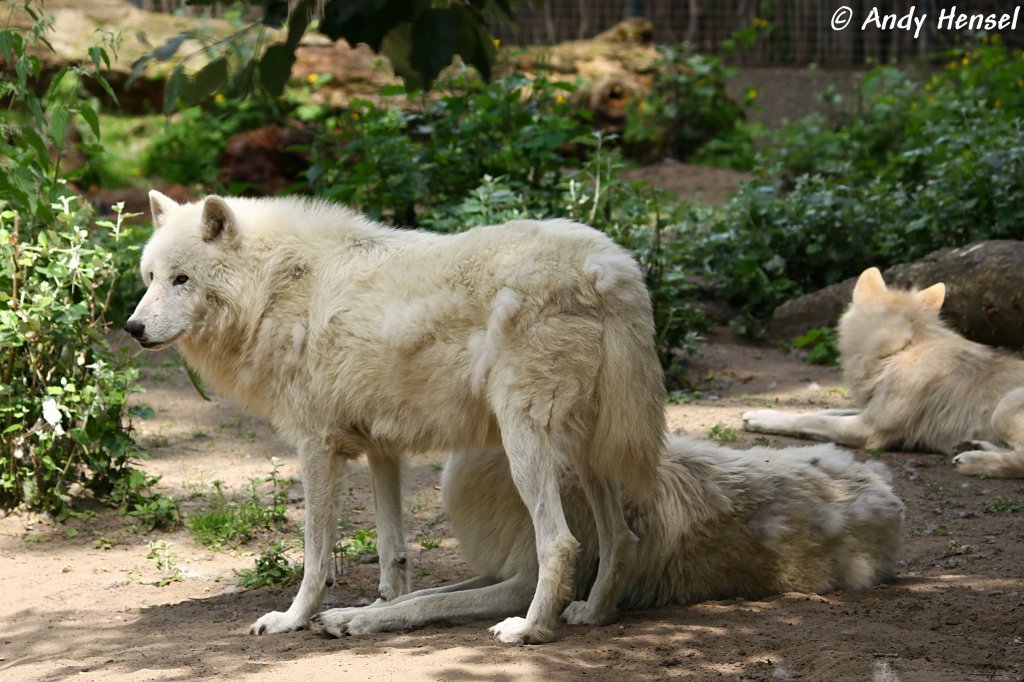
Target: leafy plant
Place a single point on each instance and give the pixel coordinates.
(688, 114)
(63, 390)
(361, 543)
(166, 562)
(820, 344)
(273, 568)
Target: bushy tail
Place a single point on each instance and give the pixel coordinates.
(631, 429)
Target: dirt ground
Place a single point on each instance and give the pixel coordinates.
(81, 600)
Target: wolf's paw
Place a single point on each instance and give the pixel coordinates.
(277, 621)
(516, 630)
(978, 463)
(764, 421)
(577, 613)
(341, 622)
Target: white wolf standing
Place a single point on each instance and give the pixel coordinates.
(918, 384)
(353, 338)
(719, 523)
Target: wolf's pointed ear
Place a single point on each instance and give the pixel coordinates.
(218, 220)
(159, 206)
(870, 286)
(933, 295)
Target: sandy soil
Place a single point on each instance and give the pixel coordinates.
(73, 609)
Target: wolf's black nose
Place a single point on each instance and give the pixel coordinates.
(135, 328)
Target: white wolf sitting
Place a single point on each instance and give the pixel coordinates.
(720, 523)
(350, 337)
(918, 384)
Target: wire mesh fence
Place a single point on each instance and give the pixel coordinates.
(799, 32)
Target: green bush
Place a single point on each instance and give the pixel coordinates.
(186, 150)
(916, 168)
(688, 114)
(397, 164)
(63, 389)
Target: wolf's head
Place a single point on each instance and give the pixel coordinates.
(189, 244)
(882, 321)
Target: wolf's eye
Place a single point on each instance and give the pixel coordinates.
(180, 279)
(150, 278)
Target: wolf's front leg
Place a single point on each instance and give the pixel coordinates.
(320, 472)
(386, 474)
(840, 427)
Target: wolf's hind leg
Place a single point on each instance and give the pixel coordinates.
(1008, 419)
(386, 474)
(1008, 422)
(617, 551)
(537, 463)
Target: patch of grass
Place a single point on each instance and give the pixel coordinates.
(1000, 504)
(430, 543)
(155, 511)
(723, 434)
(157, 441)
(229, 523)
(926, 529)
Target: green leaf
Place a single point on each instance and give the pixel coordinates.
(89, 114)
(59, 117)
(173, 89)
(276, 67)
(38, 146)
(51, 91)
(209, 78)
(138, 66)
(197, 382)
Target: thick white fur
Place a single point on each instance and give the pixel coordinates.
(918, 384)
(350, 337)
(719, 523)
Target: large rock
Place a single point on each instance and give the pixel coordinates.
(984, 293)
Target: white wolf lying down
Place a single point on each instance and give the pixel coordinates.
(720, 523)
(918, 384)
(352, 338)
